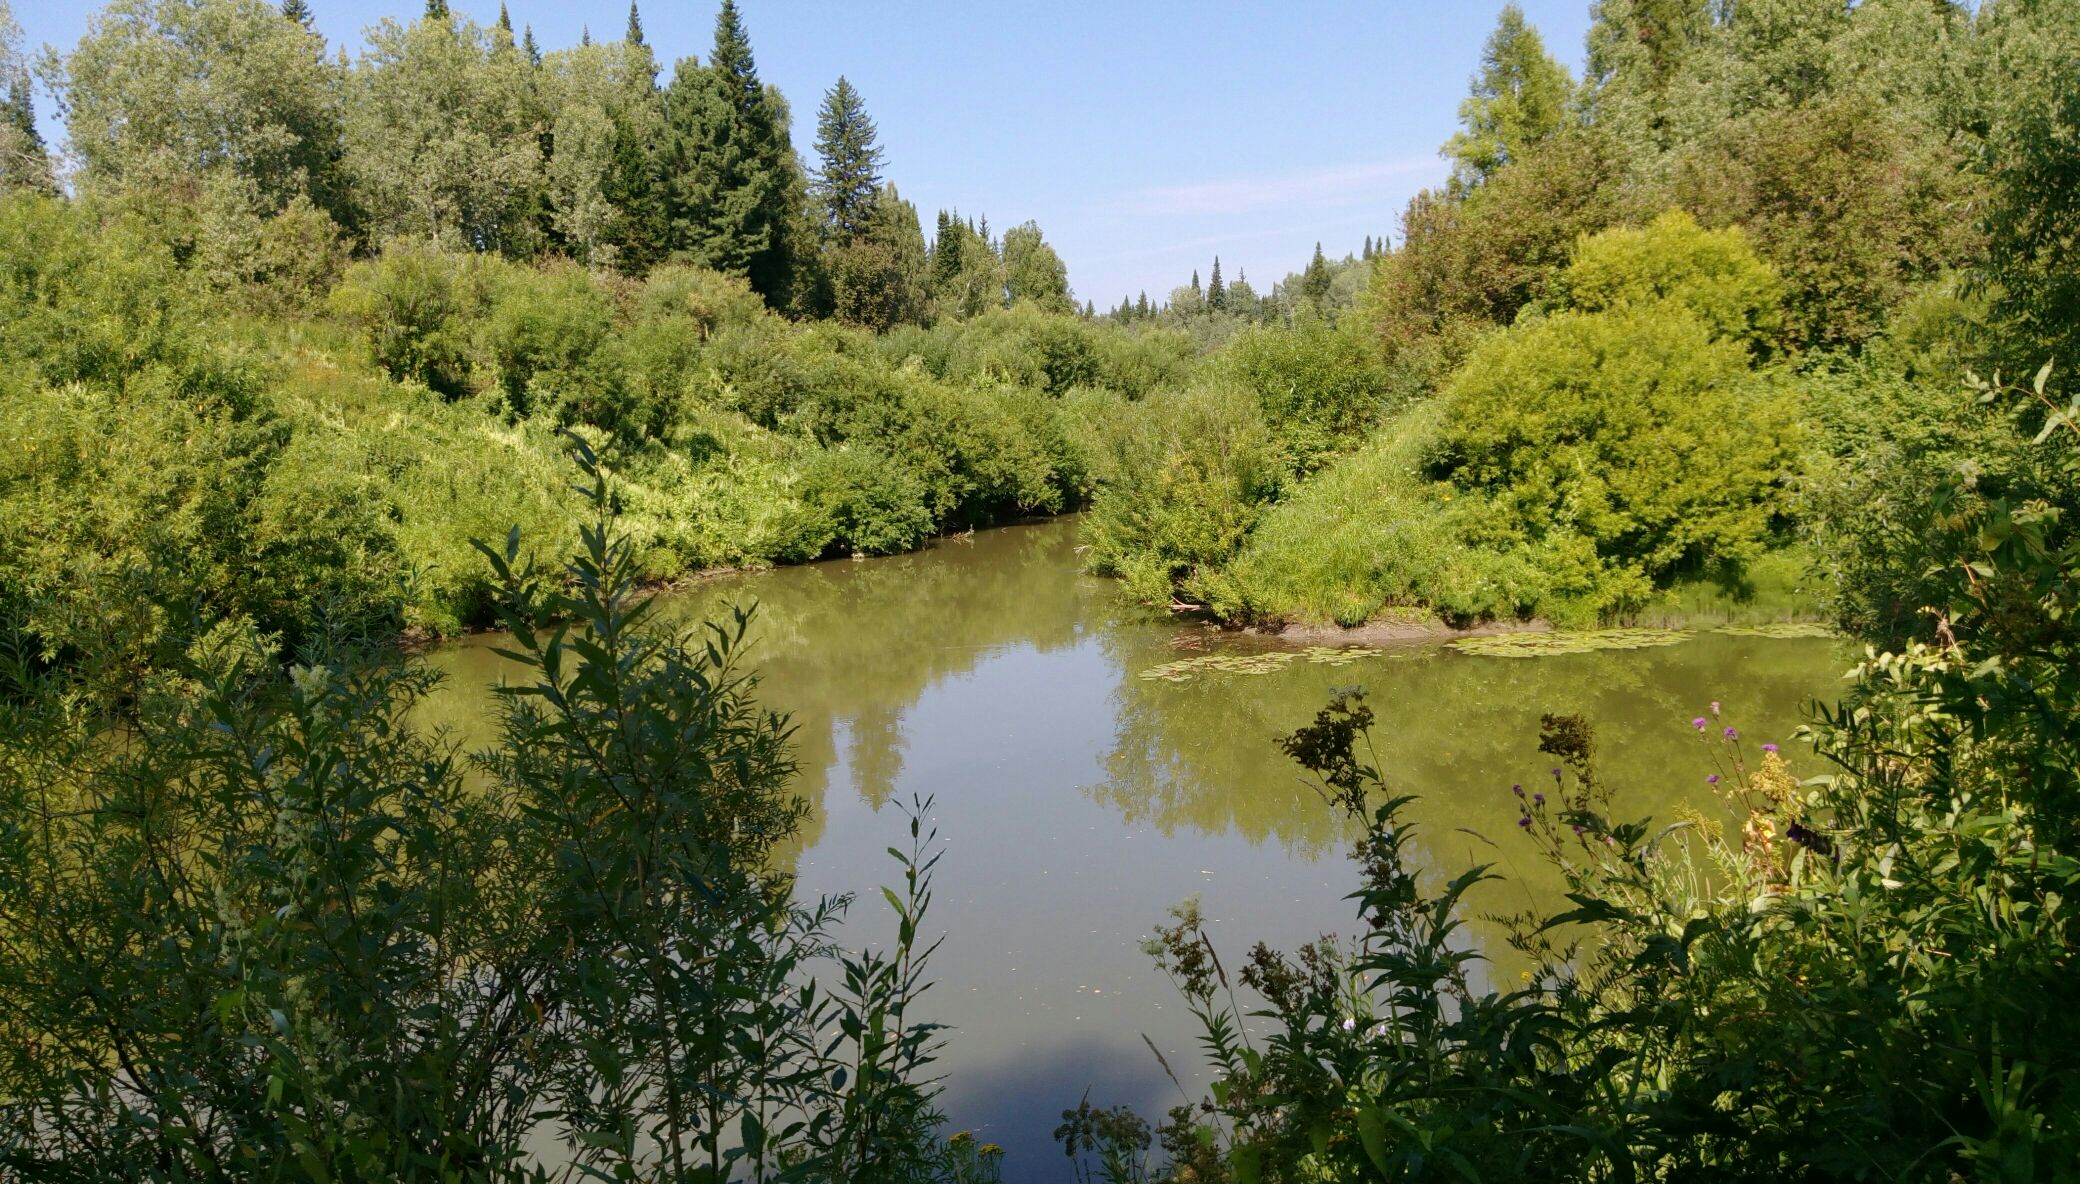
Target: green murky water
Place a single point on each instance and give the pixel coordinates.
(1092, 767)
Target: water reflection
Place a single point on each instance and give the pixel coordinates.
(1080, 800)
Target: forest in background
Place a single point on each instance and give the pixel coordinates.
(300, 339)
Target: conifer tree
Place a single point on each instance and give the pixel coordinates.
(849, 182)
(1195, 282)
(298, 11)
(729, 169)
(1216, 292)
(436, 10)
(1141, 305)
(1315, 281)
(946, 251)
(1519, 98)
(634, 36)
(529, 47)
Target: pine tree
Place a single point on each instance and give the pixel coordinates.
(529, 47)
(436, 10)
(1141, 305)
(634, 36)
(298, 11)
(1195, 281)
(850, 179)
(24, 162)
(505, 19)
(584, 34)
(729, 170)
(1216, 292)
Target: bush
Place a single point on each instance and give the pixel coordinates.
(1321, 386)
(874, 506)
(415, 306)
(1181, 480)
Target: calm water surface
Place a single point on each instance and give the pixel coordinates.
(1079, 800)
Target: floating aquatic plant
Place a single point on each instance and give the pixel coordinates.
(1263, 662)
(1540, 645)
(1782, 630)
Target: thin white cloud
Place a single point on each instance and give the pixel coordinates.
(1314, 189)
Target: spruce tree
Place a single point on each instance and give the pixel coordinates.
(1314, 282)
(634, 36)
(946, 251)
(1195, 281)
(849, 182)
(298, 11)
(529, 47)
(436, 10)
(729, 169)
(1216, 292)
(505, 19)
(1141, 305)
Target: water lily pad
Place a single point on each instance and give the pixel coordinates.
(1540, 645)
(1783, 630)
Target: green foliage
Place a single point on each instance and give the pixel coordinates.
(1714, 276)
(1181, 479)
(1635, 430)
(1852, 204)
(849, 182)
(1520, 99)
(414, 305)
(2032, 217)
(1866, 976)
(1321, 387)
(728, 165)
(279, 930)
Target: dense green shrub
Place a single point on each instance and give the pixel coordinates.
(1321, 386)
(415, 305)
(1635, 431)
(1182, 477)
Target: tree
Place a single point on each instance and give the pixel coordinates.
(1033, 271)
(2031, 54)
(162, 96)
(24, 163)
(1520, 98)
(442, 139)
(1640, 58)
(848, 184)
(1216, 292)
(1315, 281)
(298, 11)
(882, 277)
(729, 166)
(634, 36)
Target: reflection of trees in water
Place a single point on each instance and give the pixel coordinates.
(1455, 730)
(846, 648)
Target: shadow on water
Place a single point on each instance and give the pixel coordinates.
(1080, 799)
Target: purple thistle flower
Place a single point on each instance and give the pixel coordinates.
(1517, 789)
(1732, 733)
(1769, 748)
(1524, 822)
(1712, 780)
(1539, 798)
(1698, 723)
(1556, 774)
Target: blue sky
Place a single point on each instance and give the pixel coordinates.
(1145, 136)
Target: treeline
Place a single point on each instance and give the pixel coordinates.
(1653, 334)
(266, 158)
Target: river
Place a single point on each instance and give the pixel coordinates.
(1080, 792)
